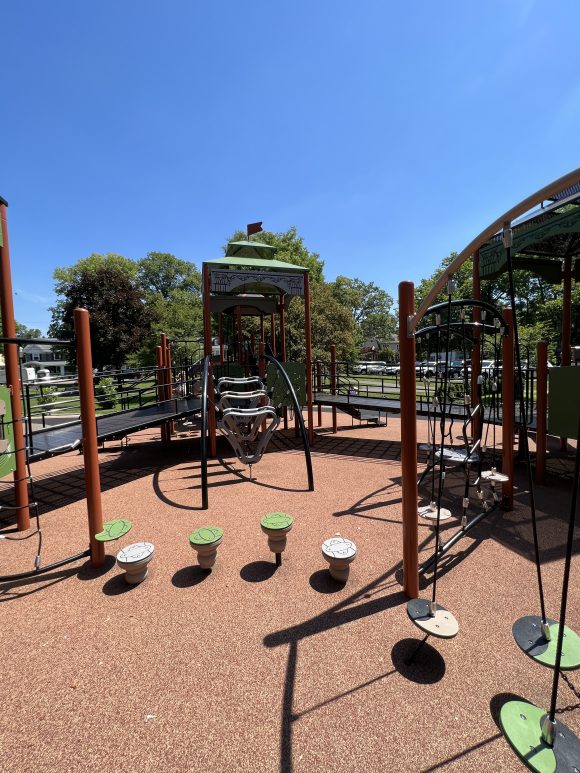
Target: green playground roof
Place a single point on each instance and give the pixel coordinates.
(261, 264)
(250, 249)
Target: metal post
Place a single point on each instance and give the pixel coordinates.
(221, 338)
(13, 375)
(208, 352)
(308, 336)
(319, 388)
(89, 427)
(408, 442)
(507, 412)
(333, 384)
(566, 321)
(541, 409)
(159, 379)
(475, 351)
(282, 312)
(273, 332)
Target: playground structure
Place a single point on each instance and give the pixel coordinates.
(426, 615)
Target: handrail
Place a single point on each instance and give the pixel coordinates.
(298, 411)
(204, 493)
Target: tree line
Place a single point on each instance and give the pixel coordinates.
(132, 301)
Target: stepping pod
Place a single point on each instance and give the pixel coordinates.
(340, 553)
(205, 541)
(276, 526)
(134, 560)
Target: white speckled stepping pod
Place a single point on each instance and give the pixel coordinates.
(134, 560)
(340, 553)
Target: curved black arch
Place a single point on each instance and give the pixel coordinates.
(469, 302)
(298, 411)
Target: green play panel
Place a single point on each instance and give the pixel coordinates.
(206, 535)
(520, 722)
(570, 649)
(113, 530)
(7, 455)
(274, 521)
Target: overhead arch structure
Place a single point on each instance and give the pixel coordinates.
(409, 319)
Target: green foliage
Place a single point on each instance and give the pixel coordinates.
(49, 395)
(106, 393)
(161, 274)
(65, 275)
(120, 319)
(23, 331)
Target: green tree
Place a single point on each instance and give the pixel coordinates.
(370, 306)
(120, 318)
(161, 273)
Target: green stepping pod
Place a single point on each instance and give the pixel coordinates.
(274, 521)
(570, 649)
(113, 530)
(206, 535)
(520, 722)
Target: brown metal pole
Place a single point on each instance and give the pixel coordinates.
(282, 329)
(239, 326)
(160, 386)
(319, 389)
(508, 411)
(308, 335)
(13, 375)
(408, 389)
(282, 312)
(333, 383)
(89, 427)
(273, 333)
(566, 322)
(475, 351)
(165, 380)
(541, 409)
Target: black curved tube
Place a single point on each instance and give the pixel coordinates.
(205, 378)
(298, 410)
(469, 302)
(44, 569)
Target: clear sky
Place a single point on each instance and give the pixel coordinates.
(389, 133)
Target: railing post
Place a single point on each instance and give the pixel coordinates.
(319, 389)
(160, 389)
(541, 409)
(507, 412)
(13, 376)
(89, 427)
(333, 384)
(408, 442)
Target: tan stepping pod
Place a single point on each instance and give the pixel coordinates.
(205, 541)
(134, 560)
(340, 553)
(276, 527)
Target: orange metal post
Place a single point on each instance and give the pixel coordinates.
(166, 380)
(475, 351)
(308, 336)
(282, 312)
(319, 389)
(408, 387)
(221, 338)
(508, 412)
(273, 333)
(566, 322)
(541, 409)
(333, 383)
(89, 427)
(13, 375)
(160, 387)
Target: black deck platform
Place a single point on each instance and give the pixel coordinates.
(383, 404)
(63, 438)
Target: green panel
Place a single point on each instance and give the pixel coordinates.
(520, 722)
(7, 455)
(258, 263)
(570, 649)
(296, 372)
(564, 401)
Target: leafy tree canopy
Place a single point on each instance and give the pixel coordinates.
(120, 319)
(162, 273)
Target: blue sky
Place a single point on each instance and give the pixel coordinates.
(388, 133)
